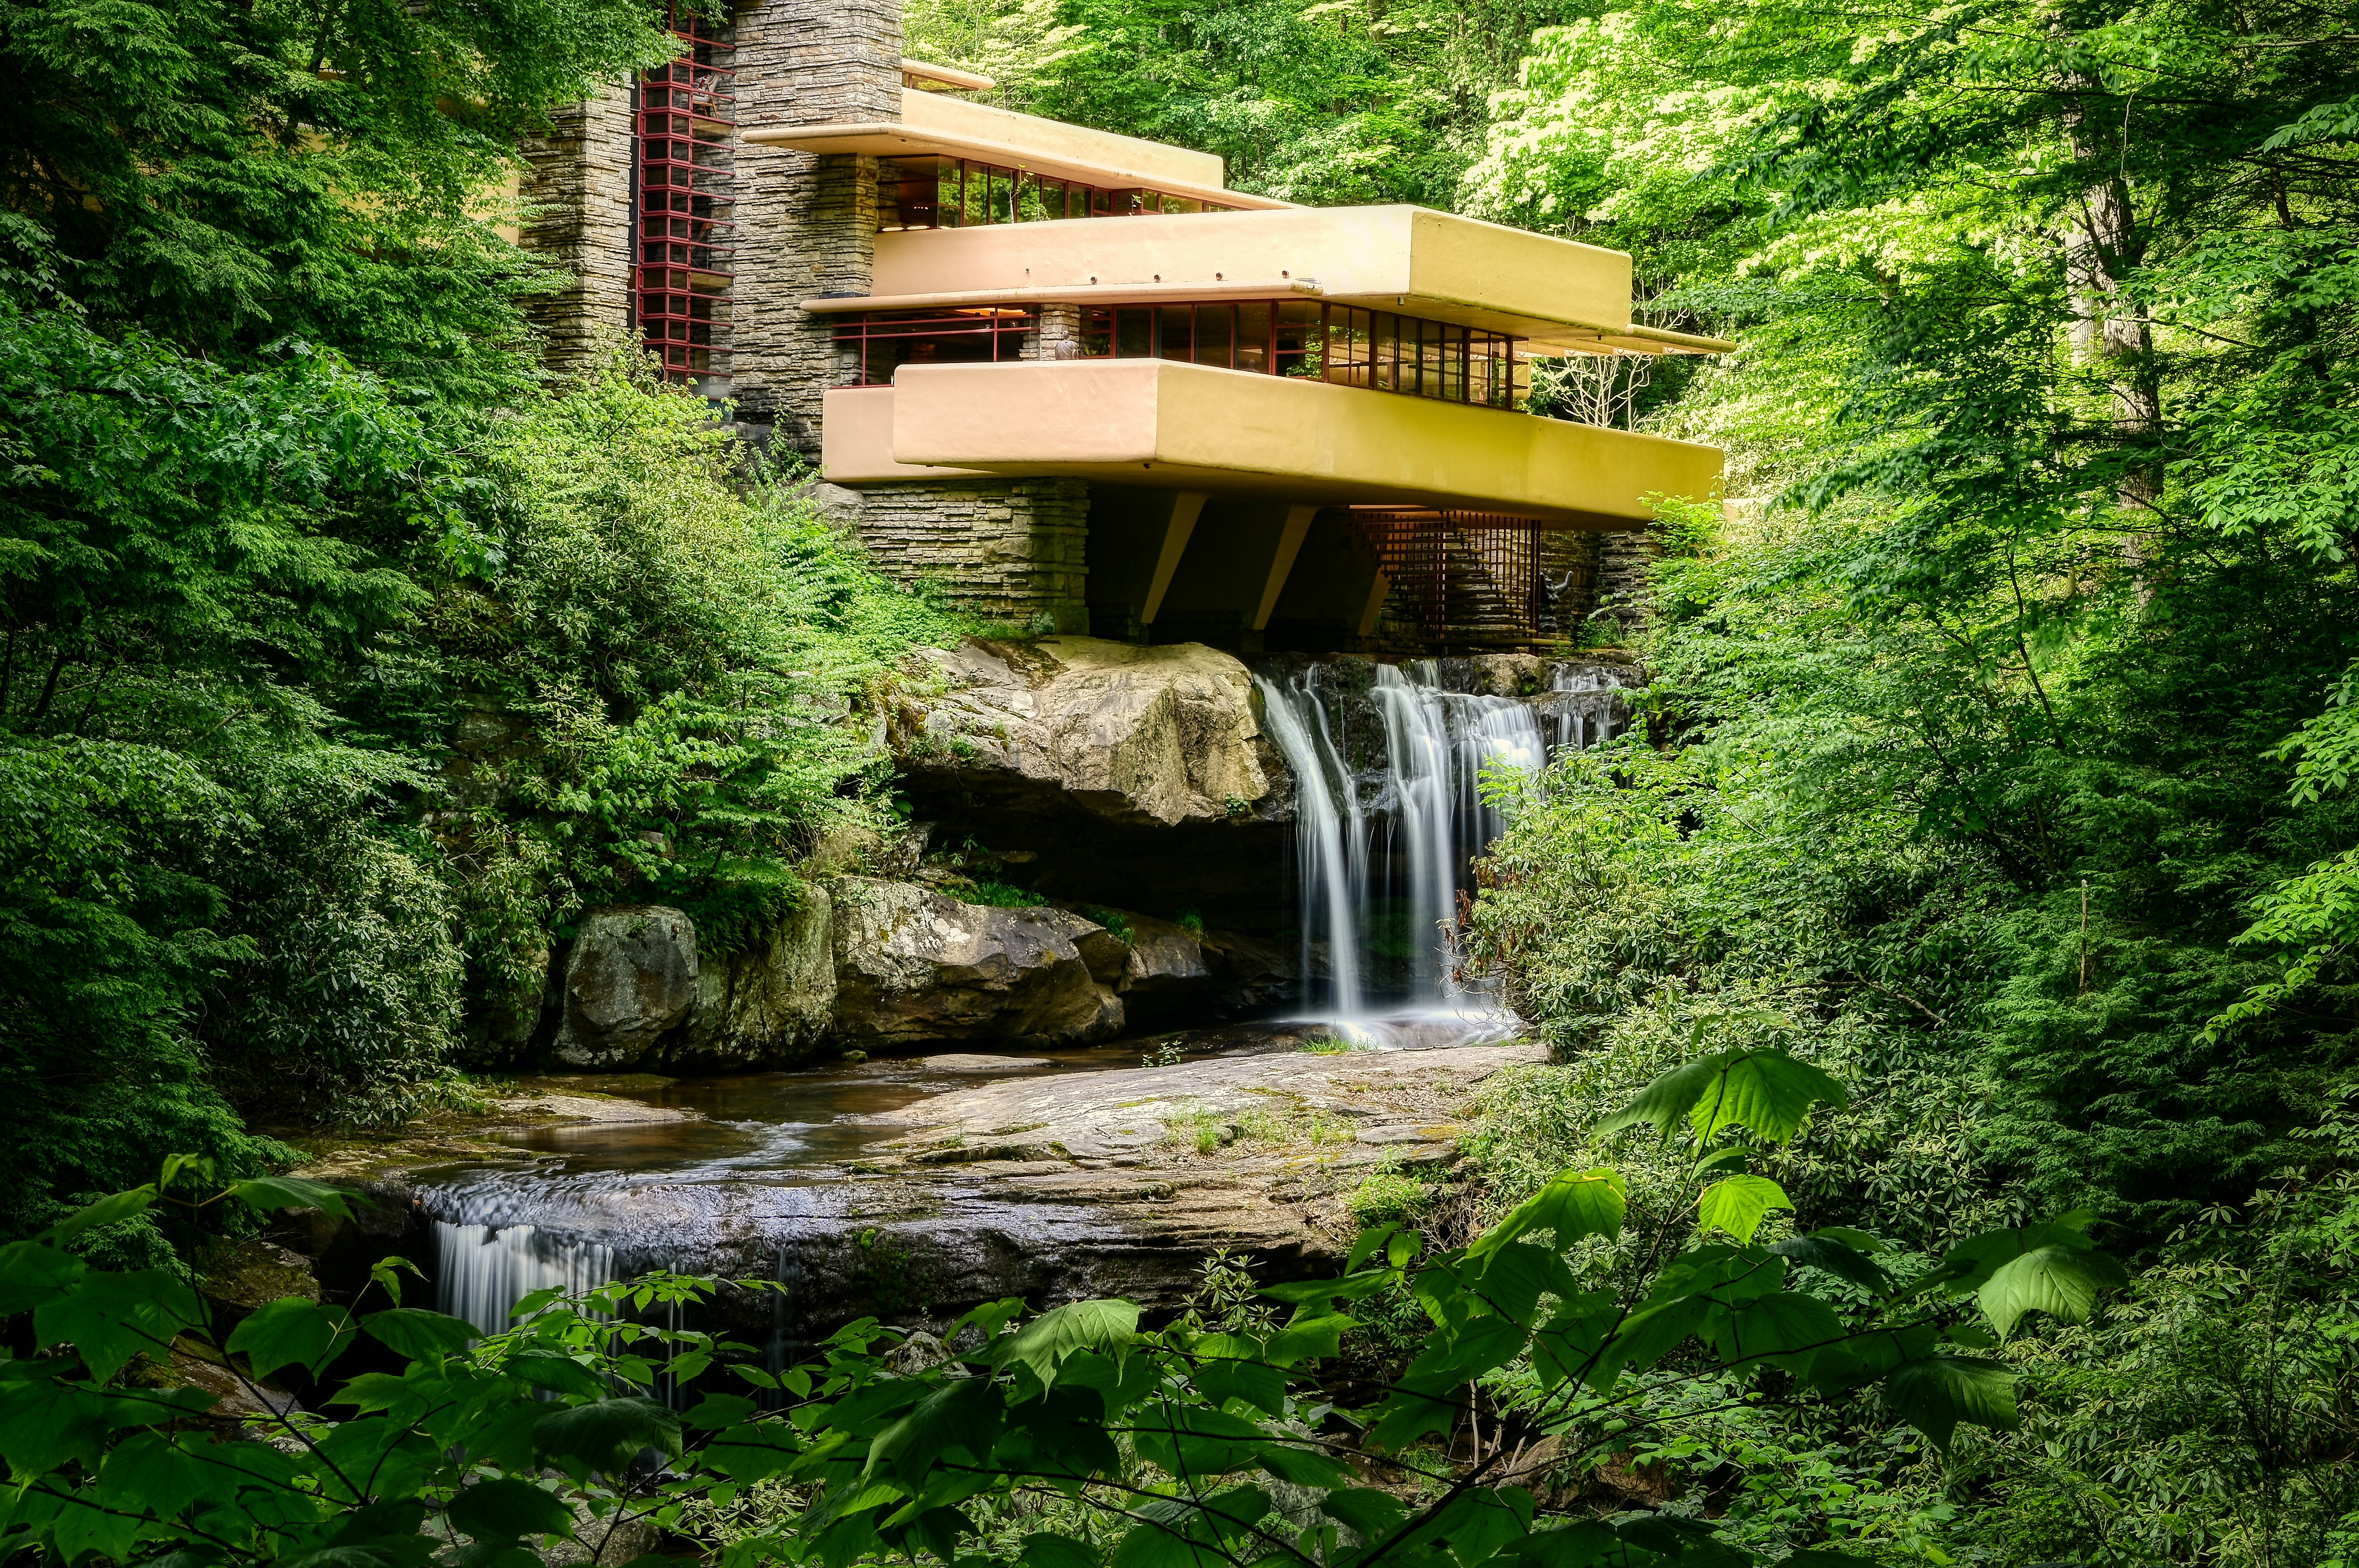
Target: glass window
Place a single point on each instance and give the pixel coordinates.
(1297, 339)
(1215, 334)
(1177, 334)
(1134, 332)
(1253, 336)
(1385, 346)
(1097, 331)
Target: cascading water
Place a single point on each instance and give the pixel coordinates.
(482, 1270)
(1380, 876)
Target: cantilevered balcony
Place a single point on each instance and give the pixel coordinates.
(1165, 425)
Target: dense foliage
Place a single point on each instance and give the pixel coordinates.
(1195, 1445)
(341, 659)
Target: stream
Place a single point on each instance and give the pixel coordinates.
(784, 1174)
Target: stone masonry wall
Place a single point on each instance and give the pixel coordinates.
(1060, 334)
(1623, 594)
(1009, 549)
(576, 194)
(806, 225)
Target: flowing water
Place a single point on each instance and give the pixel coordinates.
(1382, 851)
(1390, 811)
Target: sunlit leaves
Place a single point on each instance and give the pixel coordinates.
(1938, 1393)
(1571, 1207)
(290, 1332)
(1739, 1204)
(1764, 1091)
(2062, 1281)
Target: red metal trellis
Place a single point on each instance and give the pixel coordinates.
(684, 210)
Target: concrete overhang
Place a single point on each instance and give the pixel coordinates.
(1166, 425)
(933, 123)
(1553, 293)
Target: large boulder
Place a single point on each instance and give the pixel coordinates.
(913, 966)
(769, 1005)
(1152, 737)
(632, 975)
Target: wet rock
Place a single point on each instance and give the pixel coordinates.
(770, 1005)
(1142, 736)
(632, 975)
(1164, 959)
(969, 1061)
(913, 966)
(249, 1275)
(607, 1543)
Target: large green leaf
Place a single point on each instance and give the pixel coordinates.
(1938, 1393)
(606, 1435)
(966, 1413)
(1739, 1204)
(44, 1422)
(1043, 1550)
(113, 1210)
(1785, 1330)
(1351, 1287)
(32, 1272)
(504, 1508)
(1194, 1440)
(1573, 1204)
(1766, 1091)
(418, 1335)
(110, 1318)
(290, 1331)
(1966, 1266)
(1045, 1342)
(1824, 1249)
(157, 1472)
(1514, 1279)
(2062, 1281)
(271, 1193)
(1584, 1543)
(1231, 1367)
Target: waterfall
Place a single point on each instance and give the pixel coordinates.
(482, 1270)
(1382, 852)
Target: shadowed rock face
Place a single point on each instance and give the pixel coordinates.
(912, 965)
(771, 1004)
(631, 977)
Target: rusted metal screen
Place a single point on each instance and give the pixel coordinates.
(1471, 578)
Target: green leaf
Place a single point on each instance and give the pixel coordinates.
(34, 1272)
(1351, 1287)
(1308, 1339)
(1733, 1158)
(1766, 1091)
(1365, 1512)
(607, 1435)
(558, 1374)
(965, 1414)
(1970, 1262)
(1305, 1468)
(1816, 1557)
(1573, 1204)
(2062, 1281)
(269, 1194)
(1739, 1204)
(110, 1210)
(506, 1509)
(418, 1335)
(1193, 1442)
(110, 1318)
(157, 1472)
(1043, 1550)
(1230, 1367)
(715, 1413)
(1784, 1330)
(290, 1331)
(44, 1422)
(1689, 1543)
(1513, 1281)
(754, 1452)
(1045, 1342)
(1938, 1393)
(1584, 1543)
(1828, 1252)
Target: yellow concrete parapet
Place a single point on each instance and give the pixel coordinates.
(1420, 262)
(1170, 425)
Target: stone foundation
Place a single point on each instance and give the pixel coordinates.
(1011, 550)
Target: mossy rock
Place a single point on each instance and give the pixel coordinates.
(253, 1273)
